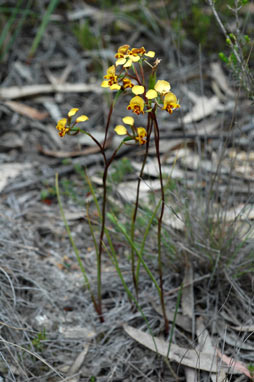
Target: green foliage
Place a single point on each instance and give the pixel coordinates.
(41, 30)
(238, 60)
(37, 341)
(251, 369)
(200, 24)
(48, 192)
(121, 168)
(16, 17)
(85, 35)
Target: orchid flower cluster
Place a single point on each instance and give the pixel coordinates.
(124, 76)
(148, 95)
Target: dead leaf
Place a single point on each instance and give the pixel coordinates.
(187, 303)
(78, 361)
(239, 367)
(11, 170)
(187, 293)
(14, 92)
(26, 110)
(243, 328)
(202, 108)
(152, 169)
(205, 344)
(127, 190)
(183, 356)
(68, 154)
(181, 321)
(220, 78)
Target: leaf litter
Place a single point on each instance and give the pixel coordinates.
(41, 286)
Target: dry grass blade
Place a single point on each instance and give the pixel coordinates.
(183, 356)
(78, 361)
(31, 353)
(188, 310)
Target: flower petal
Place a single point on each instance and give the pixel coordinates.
(134, 58)
(120, 61)
(128, 120)
(73, 111)
(115, 87)
(104, 84)
(128, 63)
(61, 124)
(162, 87)
(120, 130)
(137, 89)
(151, 54)
(82, 118)
(151, 94)
(111, 71)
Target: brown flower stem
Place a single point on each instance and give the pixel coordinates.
(157, 146)
(98, 304)
(142, 72)
(108, 123)
(134, 214)
(137, 76)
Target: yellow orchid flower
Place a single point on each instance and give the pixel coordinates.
(126, 56)
(142, 135)
(136, 105)
(139, 133)
(111, 79)
(122, 50)
(65, 125)
(170, 103)
(137, 51)
(61, 127)
(127, 83)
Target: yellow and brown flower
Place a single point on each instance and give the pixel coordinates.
(111, 79)
(170, 103)
(136, 105)
(61, 127)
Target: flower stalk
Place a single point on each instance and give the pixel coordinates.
(148, 96)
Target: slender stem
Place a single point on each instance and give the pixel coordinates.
(134, 214)
(108, 123)
(98, 304)
(137, 75)
(157, 146)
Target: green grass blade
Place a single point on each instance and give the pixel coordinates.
(24, 13)
(43, 26)
(114, 220)
(148, 227)
(10, 22)
(179, 296)
(114, 260)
